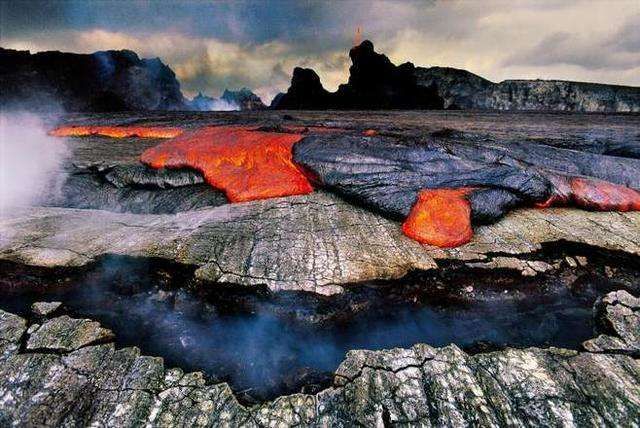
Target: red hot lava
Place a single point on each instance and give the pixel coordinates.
(117, 131)
(592, 194)
(440, 217)
(246, 164)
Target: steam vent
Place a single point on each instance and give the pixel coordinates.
(413, 247)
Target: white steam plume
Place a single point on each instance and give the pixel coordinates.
(30, 160)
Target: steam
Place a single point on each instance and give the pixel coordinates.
(223, 105)
(204, 103)
(30, 160)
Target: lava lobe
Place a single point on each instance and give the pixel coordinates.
(245, 163)
(440, 217)
(117, 131)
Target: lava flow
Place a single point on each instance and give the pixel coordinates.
(244, 163)
(440, 217)
(592, 194)
(117, 131)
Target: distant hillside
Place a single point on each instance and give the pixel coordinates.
(462, 89)
(376, 83)
(244, 98)
(102, 81)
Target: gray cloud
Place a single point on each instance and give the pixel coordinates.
(215, 45)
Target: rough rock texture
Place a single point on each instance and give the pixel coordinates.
(99, 385)
(389, 175)
(45, 308)
(134, 188)
(67, 334)
(102, 81)
(374, 83)
(315, 242)
(244, 98)
(462, 89)
(618, 320)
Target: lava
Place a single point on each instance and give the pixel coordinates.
(244, 163)
(592, 194)
(440, 217)
(117, 131)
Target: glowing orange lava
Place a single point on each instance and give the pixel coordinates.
(244, 163)
(592, 194)
(117, 131)
(440, 217)
(603, 196)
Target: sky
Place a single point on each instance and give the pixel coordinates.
(213, 45)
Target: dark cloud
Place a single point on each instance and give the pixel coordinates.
(256, 43)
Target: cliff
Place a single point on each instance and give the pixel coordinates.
(462, 89)
(101, 81)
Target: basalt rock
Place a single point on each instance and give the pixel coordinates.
(317, 242)
(136, 189)
(617, 317)
(244, 98)
(424, 182)
(102, 81)
(374, 83)
(462, 89)
(422, 385)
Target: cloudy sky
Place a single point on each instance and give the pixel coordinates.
(213, 45)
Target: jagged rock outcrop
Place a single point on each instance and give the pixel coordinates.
(462, 89)
(374, 83)
(84, 382)
(102, 81)
(617, 317)
(244, 98)
(202, 102)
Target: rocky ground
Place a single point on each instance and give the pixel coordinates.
(59, 369)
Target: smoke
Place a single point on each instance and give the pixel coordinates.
(270, 347)
(30, 160)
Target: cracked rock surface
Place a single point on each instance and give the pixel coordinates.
(315, 242)
(97, 384)
(618, 320)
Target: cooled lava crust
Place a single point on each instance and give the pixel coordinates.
(439, 191)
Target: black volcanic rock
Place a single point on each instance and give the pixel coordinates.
(244, 98)
(462, 89)
(102, 81)
(374, 83)
(305, 93)
(386, 174)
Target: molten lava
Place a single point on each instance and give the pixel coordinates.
(246, 164)
(440, 217)
(117, 131)
(592, 194)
